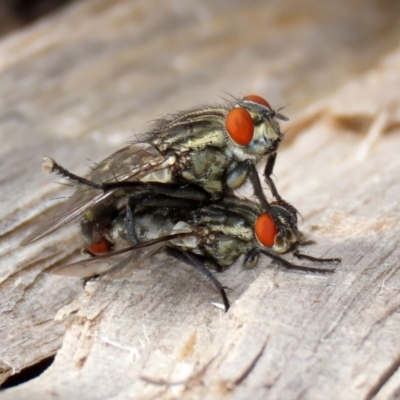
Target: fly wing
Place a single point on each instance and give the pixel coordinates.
(129, 164)
(106, 264)
(109, 263)
(92, 266)
(71, 209)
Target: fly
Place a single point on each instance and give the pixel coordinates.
(209, 236)
(214, 148)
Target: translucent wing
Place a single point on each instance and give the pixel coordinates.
(129, 164)
(111, 262)
(71, 209)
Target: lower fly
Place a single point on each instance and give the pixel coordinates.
(209, 236)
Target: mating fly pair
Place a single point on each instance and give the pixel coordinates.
(174, 189)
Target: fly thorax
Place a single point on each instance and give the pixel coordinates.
(190, 134)
(205, 168)
(225, 250)
(238, 230)
(203, 139)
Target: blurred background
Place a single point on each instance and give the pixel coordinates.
(110, 58)
(15, 14)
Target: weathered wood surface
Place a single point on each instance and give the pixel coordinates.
(74, 85)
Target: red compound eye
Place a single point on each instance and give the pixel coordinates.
(101, 247)
(240, 126)
(258, 99)
(265, 230)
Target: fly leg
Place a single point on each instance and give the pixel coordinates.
(269, 167)
(238, 175)
(178, 195)
(287, 264)
(198, 263)
(49, 166)
(255, 180)
(258, 191)
(247, 169)
(315, 259)
(187, 192)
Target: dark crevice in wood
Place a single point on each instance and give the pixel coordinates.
(15, 14)
(28, 373)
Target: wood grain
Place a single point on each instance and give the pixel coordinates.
(74, 85)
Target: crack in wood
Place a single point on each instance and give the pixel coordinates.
(194, 377)
(383, 378)
(247, 371)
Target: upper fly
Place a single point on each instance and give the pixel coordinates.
(215, 148)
